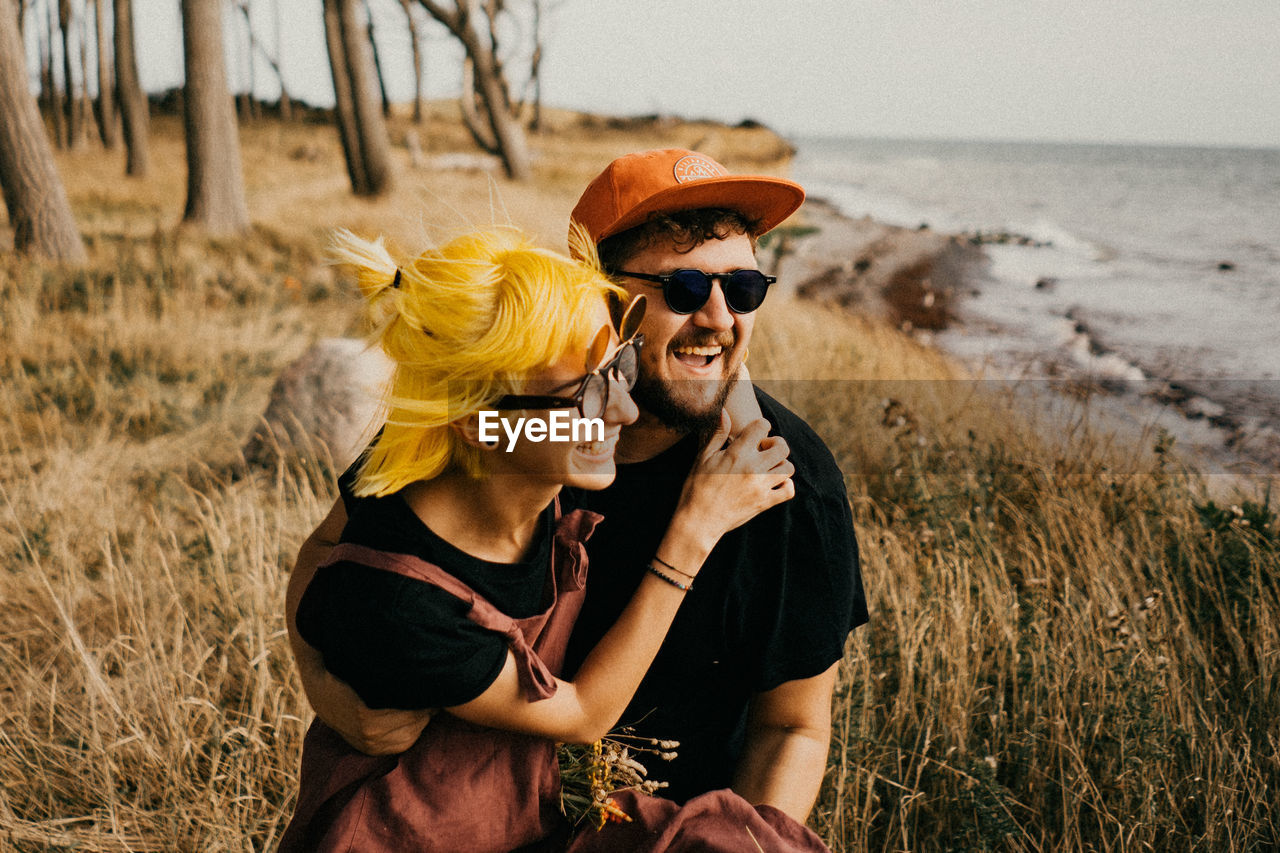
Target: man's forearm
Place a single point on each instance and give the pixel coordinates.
(783, 768)
(788, 737)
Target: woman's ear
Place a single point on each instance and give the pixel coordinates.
(475, 433)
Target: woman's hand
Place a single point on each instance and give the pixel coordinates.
(741, 404)
(733, 481)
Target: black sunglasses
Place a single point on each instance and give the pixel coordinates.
(592, 396)
(688, 290)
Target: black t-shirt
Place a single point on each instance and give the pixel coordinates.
(404, 643)
(774, 602)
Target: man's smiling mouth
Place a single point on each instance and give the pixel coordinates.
(698, 356)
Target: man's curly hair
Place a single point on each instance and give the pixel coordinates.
(686, 229)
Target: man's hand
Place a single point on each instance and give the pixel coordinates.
(383, 732)
(788, 738)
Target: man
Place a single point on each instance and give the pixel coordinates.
(745, 676)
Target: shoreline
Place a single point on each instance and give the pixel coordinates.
(919, 281)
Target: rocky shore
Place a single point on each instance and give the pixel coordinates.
(917, 281)
(912, 278)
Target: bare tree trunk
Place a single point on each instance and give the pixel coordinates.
(489, 84)
(505, 125)
(377, 63)
(375, 145)
(33, 193)
(247, 101)
(471, 105)
(134, 109)
(54, 98)
(286, 104)
(69, 103)
(535, 68)
(106, 111)
(215, 182)
(85, 106)
(415, 39)
(344, 110)
(255, 50)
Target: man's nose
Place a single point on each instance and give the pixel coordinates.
(715, 313)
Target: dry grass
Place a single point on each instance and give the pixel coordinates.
(1071, 649)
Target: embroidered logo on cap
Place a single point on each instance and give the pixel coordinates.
(693, 167)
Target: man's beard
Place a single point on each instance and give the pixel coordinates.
(660, 399)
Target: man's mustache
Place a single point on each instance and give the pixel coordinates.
(727, 340)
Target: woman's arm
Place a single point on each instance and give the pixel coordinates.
(727, 487)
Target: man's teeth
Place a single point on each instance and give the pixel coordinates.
(703, 351)
(593, 448)
(708, 354)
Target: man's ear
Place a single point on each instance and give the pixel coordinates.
(468, 429)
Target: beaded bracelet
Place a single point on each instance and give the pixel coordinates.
(673, 568)
(654, 570)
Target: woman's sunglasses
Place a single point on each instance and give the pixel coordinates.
(688, 290)
(592, 395)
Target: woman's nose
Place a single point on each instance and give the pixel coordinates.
(621, 409)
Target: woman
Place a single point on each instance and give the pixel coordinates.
(459, 573)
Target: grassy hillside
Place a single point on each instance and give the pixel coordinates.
(1071, 647)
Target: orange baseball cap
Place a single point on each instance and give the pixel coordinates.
(635, 186)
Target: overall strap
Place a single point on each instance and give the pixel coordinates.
(536, 680)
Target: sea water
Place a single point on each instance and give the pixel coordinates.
(1152, 268)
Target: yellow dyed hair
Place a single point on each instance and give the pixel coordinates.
(464, 324)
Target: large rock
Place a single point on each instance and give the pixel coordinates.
(326, 401)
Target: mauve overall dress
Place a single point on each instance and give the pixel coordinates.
(460, 788)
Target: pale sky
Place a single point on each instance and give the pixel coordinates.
(1163, 71)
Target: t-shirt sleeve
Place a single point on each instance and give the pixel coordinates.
(821, 593)
(398, 642)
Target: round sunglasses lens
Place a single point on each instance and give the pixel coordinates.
(628, 365)
(745, 291)
(687, 291)
(595, 396)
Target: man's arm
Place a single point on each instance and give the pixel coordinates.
(788, 738)
(383, 732)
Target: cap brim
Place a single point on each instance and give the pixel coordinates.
(764, 200)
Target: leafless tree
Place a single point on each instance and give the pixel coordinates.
(49, 90)
(215, 181)
(415, 39)
(134, 109)
(69, 102)
(361, 125)
(33, 193)
(244, 100)
(256, 48)
(344, 109)
(106, 103)
(85, 104)
(535, 68)
(486, 99)
(377, 63)
(286, 103)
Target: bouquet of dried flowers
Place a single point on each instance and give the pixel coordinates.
(591, 774)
